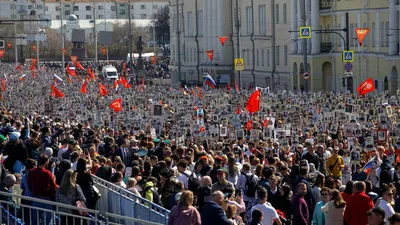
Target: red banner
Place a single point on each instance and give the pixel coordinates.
(210, 54)
(222, 40)
(2, 53)
(34, 61)
(366, 87)
(361, 33)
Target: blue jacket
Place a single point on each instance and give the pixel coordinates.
(213, 214)
(319, 216)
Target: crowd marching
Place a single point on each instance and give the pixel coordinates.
(211, 156)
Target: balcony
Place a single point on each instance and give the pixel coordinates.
(326, 47)
(325, 4)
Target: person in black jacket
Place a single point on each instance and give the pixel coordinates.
(212, 212)
(85, 181)
(17, 154)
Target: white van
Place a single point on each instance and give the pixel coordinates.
(109, 72)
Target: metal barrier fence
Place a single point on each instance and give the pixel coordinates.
(119, 201)
(33, 211)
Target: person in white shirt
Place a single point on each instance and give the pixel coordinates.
(387, 199)
(183, 173)
(269, 213)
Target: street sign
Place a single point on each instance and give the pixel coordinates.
(348, 74)
(305, 32)
(306, 76)
(239, 64)
(348, 56)
(348, 67)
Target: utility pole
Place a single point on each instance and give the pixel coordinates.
(179, 40)
(273, 44)
(96, 60)
(238, 39)
(305, 60)
(15, 34)
(130, 37)
(62, 35)
(154, 28)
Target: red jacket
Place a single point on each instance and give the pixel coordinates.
(357, 206)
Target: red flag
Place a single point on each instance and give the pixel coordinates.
(265, 123)
(2, 53)
(228, 87)
(366, 87)
(236, 87)
(361, 33)
(103, 90)
(238, 111)
(34, 61)
(71, 72)
(79, 65)
(253, 104)
(116, 105)
(249, 125)
(210, 54)
(124, 82)
(115, 85)
(92, 76)
(222, 40)
(202, 129)
(19, 67)
(3, 85)
(89, 70)
(83, 88)
(153, 59)
(56, 93)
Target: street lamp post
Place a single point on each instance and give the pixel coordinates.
(130, 37)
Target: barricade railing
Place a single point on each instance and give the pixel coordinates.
(126, 220)
(34, 211)
(119, 201)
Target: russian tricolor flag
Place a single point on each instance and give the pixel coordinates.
(209, 81)
(368, 166)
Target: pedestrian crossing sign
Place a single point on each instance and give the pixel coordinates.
(305, 32)
(239, 64)
(348, 56)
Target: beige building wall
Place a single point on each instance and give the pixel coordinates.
(377, 58)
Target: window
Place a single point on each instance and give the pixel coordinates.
(262, 57)
(328, 36)
(268, 58)
(88, 17)
(155, 6)
(122, 5)
(40, 7)
(262, 20)
(200, 15)
(190, 23)
(258, 57)
(131, 6)
(112, 8)
(387, 33)
(249, 18)
(285, 55)
(58, 8)
(143, 16)
(382, 39)
(67, 6)
(284, 13)
(101, 16)
(142, 6)
(373, 33)
(88, 7)
(248, 56)
(58, 17)
(100, 7)
(47, 8)
(277, 13)
(277, 55)
(67, 12)
(339, 40)
(355, 40)
(76, 8)
(122, 12)
(29, 6)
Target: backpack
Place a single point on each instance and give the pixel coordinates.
(251, 185)
(386, 178)
(193, 183)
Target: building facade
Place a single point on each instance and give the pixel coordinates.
(264, 41)
(83, 9)
(378, 57)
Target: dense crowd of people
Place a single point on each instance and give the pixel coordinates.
(301, 159)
